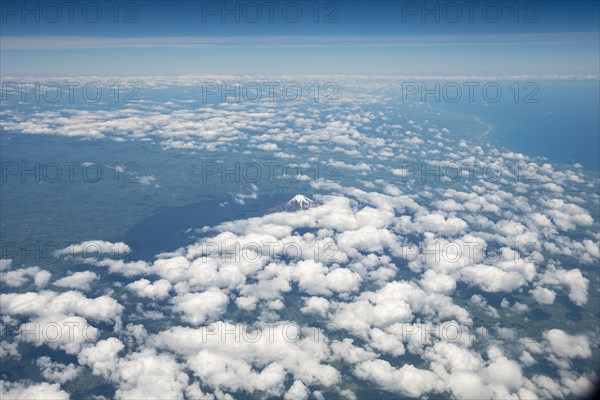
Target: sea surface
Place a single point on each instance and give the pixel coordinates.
(563, 125)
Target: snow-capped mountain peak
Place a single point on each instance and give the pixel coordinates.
(297, 203)
(302, 201)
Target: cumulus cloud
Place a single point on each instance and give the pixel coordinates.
(67, 333)
(198, 308)
(568, 346)
(20, 277)
(5, 263)
(543, 295)
(77, 280)
(314, 278)
(25, 391)
(55, 371)
(572, 279)
(297, 392)
(102, 357)
(248, 358)
(396, 302)
(436, 223)
(406, 380)
(144, 288)
(126, 268)
(316, 305)
(49, 303)
(95, 247)
(143, 374)
(567, 216)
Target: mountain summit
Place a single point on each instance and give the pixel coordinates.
(297, 203)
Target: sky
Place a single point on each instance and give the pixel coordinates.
(300, 37)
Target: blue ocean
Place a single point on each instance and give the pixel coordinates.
(559, 121)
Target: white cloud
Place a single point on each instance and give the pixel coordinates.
(144, 288)
(492, 279)
(20, 277)
(143, 374)
(48, 303)
(236, 357)
(77, 280)
(67, 333)
(95, 247)
(5, 264)
(131, 268)
(57, 372)
(543, 295)
(197, 308)
(437, 223)
(407, 380)
(102, 357)
(573, 279)
(26, 391)
(298, 391)
(440, 283)
(569, 346)
(316, 305)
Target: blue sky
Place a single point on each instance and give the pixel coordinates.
(375, 37)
